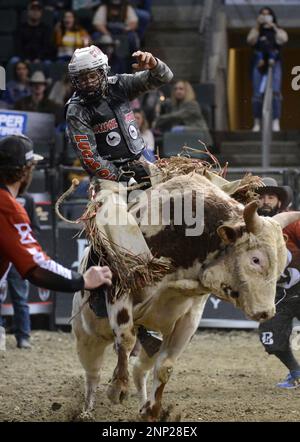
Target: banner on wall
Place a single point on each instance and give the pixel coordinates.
(12, 123)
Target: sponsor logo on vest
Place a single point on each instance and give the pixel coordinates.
(129, 117)
(133, 132)
(106, 126)
(113, 138)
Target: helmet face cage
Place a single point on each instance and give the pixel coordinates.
(100, 88)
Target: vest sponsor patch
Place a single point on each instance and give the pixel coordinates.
(129, 117)
(106, 126)
(133, 132)
(113, 138)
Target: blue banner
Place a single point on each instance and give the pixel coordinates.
(12, 123)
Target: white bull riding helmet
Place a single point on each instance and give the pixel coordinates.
(88, 71)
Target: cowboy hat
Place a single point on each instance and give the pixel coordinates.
(284, 193)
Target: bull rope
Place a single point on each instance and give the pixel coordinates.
(72, 188)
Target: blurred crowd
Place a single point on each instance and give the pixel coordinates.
(46, 36)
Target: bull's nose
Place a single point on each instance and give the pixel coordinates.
(263, 316)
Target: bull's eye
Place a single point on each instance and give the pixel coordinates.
(255, 260)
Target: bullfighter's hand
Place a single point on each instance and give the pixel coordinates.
(96, 276)
(145, 60)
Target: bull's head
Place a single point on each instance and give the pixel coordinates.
(254, 258)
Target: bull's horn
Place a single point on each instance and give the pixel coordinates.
(286, 218)
(253, 222)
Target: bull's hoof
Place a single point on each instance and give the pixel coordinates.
(170, 414)
(117, 392)
(85, 416)
(148, 413)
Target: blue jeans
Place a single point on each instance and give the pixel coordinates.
(18, 290)
(258, 82)
(144, 20)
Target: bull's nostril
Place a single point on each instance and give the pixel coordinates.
(263, 316)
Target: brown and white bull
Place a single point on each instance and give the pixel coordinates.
(239, 256)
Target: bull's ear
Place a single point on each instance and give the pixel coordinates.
(227, 234)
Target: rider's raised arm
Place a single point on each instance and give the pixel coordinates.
(140, 82)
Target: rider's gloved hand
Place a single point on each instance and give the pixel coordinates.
(134, 171)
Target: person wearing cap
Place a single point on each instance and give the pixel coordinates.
(18, 245)
(275, 333)
(38, 101)
(17, 287)
(34, 40)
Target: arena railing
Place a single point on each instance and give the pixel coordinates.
(267, 119)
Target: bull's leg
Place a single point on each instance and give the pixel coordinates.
(91, 352)
(140, 372)
(173, 345)
(90, 349)
(121, 322)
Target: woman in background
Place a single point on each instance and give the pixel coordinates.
(69, 35)
(19, 87)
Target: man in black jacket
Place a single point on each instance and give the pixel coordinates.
(34, 40)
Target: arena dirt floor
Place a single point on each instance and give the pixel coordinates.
(222, 376)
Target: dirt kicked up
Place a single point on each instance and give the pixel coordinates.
(222, 376)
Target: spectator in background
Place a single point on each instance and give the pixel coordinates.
(61, 91)
(117, 17)
(266, 38)
(143, 126)
(108, 46)
(37, 101)
(143, 11)
(147, 135)
(69, 35)
(18, 87)
(184, 112)
(18, 288)
(34, 40)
